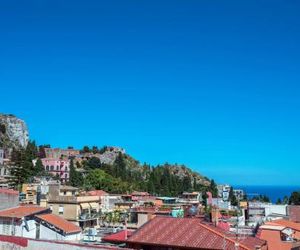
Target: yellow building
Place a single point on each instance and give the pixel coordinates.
(29, 192)
(66, 202)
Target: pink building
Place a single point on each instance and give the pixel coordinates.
(57, 167)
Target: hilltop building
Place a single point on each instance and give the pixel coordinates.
(57, 167)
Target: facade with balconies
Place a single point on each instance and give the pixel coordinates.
(66, 202)
(57, 167)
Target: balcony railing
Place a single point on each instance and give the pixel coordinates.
(88, 216)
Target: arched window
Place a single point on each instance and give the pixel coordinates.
(51, 168)
(47, 168)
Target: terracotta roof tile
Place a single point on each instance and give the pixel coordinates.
(187, 232)
(118, 237)
(97, 193)
(23, 211)
(57, 221)
(8, 191)
(285, 223)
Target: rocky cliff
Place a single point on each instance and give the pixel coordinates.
(13, 132)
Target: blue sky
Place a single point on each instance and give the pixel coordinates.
(211, 84)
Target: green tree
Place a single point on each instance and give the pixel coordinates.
(278, 202)
(213, 188)
(39, 168)
(75, 179)
(294, 198)
(186, 186)
(103, 150)
(232, 198)
(95, 149)
(86, 149)
(98, 179)
(19, 173)
(120, 167)
(93, 163)
(22, 169)
(285, 200)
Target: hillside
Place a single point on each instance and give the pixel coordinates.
(108, 168)
(166, 179)
(13, 132)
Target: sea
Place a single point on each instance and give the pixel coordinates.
(273, 192)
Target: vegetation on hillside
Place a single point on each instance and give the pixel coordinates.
(124, 175)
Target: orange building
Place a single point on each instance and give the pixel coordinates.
(277, 237)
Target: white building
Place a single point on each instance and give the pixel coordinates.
(37, 223)
(223, 191)
(108, 202)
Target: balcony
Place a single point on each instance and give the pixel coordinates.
(88, 216)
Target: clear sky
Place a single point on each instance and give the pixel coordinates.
(211, 84)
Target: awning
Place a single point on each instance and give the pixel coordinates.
(94, 205)
(85, 206)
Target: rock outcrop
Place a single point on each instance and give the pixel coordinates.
(13, 132)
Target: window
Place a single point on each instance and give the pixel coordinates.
(51, 168)
(47, 168)
(66, 169)
(61, 209)
(51, 207)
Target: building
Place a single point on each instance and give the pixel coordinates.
(220, 203)
(53, 227)
(259, 212)
(140, 215)
(166, 201)
(190, 198)
(8, 198)
(288, 224)
(223, 191)
(188, 233)
(239, 193)
(21, 243)
(57, 153)
(31, 194)
(57, 167)
(118, 238)
(65, 201)
(294, 213)
(277, 237)
(37, 223)
(19, 221)
(141, 197)
(108, 202)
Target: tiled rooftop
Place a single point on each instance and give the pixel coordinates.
(118, 237)
(189, 233)
(285, 223)
(23, 211)
(57, 221)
